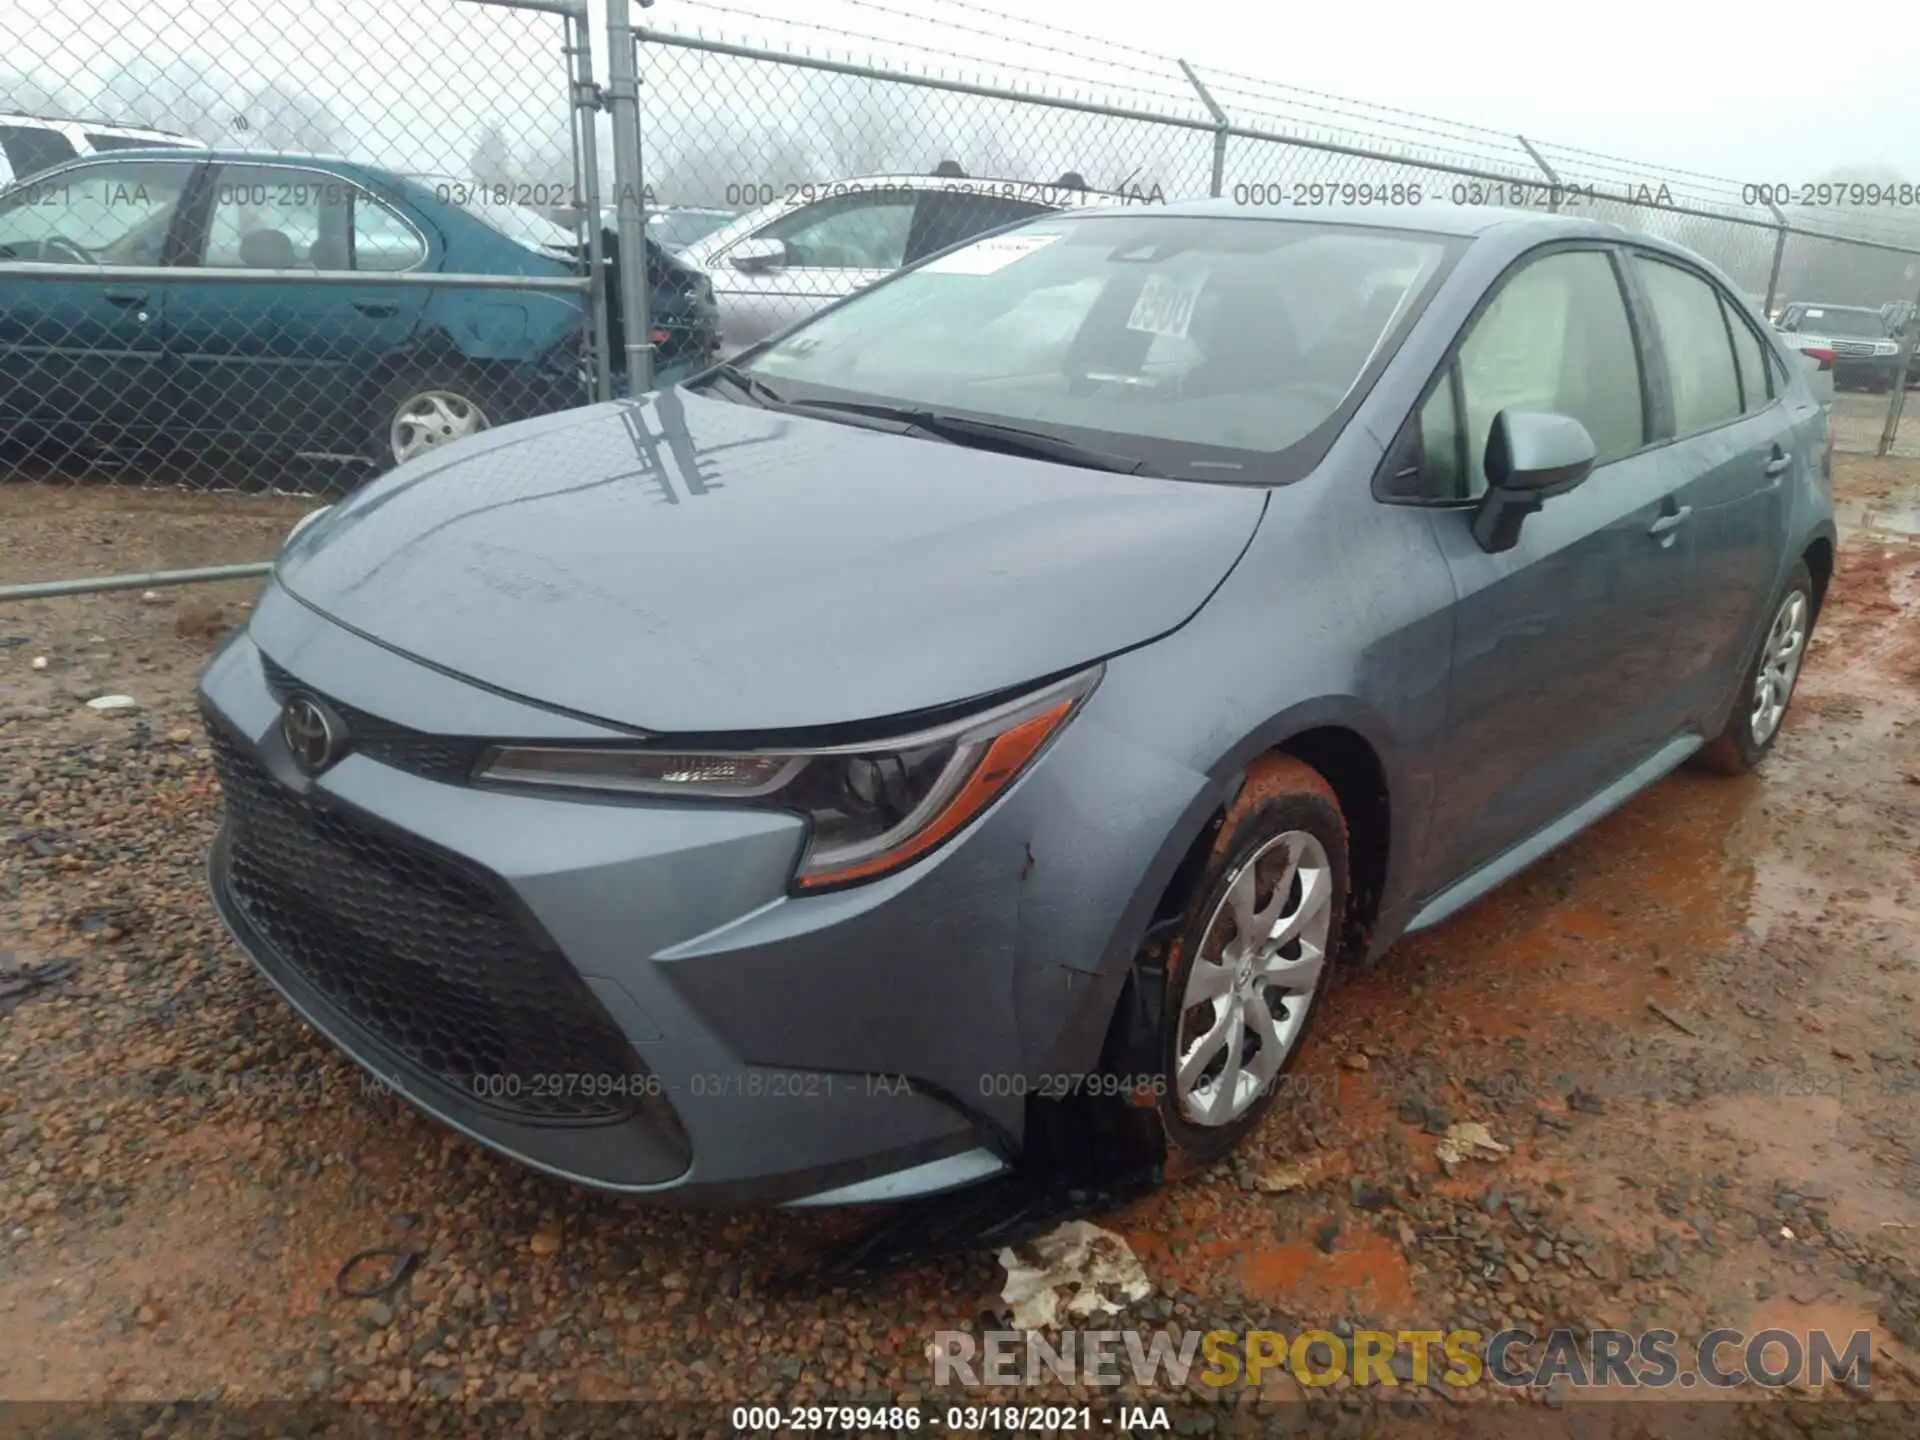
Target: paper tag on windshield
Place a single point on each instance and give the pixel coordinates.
(983, 257)
(1166, 302)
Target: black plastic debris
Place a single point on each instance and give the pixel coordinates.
(18, 980)
(404, 1260)
(1082, 1157)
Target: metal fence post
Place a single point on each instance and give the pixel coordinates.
(1897, 402)
(1779, 255)
(1553, 180)
(1219, 132)
(586, 112)
(623, 100)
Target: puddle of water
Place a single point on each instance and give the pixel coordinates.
(1897, 521)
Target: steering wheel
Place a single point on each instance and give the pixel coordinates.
(69, 252)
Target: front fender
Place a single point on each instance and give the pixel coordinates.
(1155, 818)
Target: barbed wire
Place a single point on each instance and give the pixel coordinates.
(1139, 73)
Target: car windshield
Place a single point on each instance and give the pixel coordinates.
(1204, 346)
(1860, 324)
(677, 229)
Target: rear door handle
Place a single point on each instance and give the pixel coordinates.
(1778, 464)
(1667, 523)
(127, 298)
(376, 309)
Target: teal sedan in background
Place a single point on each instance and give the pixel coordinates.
(374, 373)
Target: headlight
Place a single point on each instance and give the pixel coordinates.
(873, 808)
(1886, 347)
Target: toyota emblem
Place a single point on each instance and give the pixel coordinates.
(314, 734)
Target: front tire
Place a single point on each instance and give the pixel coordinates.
(1252, 958)
(1761, 708)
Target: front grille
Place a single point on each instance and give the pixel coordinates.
(422, 953)
(1851, 347)
(437, 757)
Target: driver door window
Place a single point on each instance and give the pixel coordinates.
(1556, 337)
(848, 232)
(114, 213)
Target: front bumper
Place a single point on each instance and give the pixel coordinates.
(1867, 370)
(520, 956)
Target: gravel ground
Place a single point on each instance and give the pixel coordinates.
(1858, 419)
(1695, 1026)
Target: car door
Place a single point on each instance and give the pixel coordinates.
(285, 363)
(949, 217)
(1561, 679)
(1737, 445)
(797, 262)
(87, 351)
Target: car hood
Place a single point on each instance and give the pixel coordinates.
(680, 564)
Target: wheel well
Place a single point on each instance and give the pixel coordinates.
(1353, 769)
(1819, 562)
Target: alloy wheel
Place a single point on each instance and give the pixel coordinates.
(1253, 978)
(1779, 665)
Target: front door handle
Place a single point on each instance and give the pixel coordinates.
(1778, 464)
(1663, 528)
(124, 298)
(376, 309)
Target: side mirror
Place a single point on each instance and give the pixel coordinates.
(755, 257)
(1532, 456)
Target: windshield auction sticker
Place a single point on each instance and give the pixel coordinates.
(1166, 302)
(983, 257)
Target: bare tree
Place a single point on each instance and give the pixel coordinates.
(279, 116)
(492, 161)
(184, 93)
(29, 96)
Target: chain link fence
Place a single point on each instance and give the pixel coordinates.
(806, 173)
(253, 246)
(264, 246)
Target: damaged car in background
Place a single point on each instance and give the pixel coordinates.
(362, 375)
(999, 707)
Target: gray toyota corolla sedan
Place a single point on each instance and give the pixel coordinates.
(1033, 677)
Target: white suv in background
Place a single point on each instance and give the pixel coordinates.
(30, 144)
(815, 242)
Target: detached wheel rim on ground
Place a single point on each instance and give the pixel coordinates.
(1253, 978)
(1779, 666)
(430, 418)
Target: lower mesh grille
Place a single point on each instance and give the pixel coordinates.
(422, 953)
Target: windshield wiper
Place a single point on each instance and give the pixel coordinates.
(986, 434)
(750, 385)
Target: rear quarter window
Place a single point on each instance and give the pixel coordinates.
(32, 148)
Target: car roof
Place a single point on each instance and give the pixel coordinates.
(1829, 305)
(101, 127)
(1040, 191)
(1461, 220)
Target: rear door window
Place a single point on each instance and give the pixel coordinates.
(846, 232)
(947, 217)
(1693, 333)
